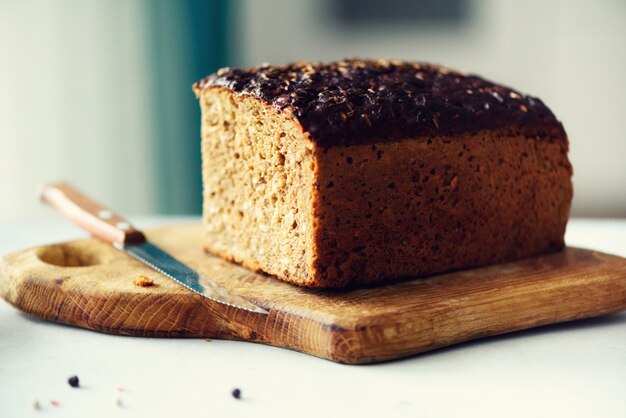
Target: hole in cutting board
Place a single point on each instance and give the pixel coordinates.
(68, 255)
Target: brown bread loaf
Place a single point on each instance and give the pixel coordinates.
(354, 172)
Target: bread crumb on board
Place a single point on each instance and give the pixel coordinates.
(143, 281)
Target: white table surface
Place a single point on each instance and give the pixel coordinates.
(575, 370)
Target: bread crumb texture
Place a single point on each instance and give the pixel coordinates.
(258, 180)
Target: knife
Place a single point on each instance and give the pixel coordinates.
(112, 228)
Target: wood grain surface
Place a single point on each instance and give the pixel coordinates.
(89, 284)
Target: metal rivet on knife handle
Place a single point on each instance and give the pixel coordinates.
(99, 220)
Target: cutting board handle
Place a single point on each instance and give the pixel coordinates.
(95, 218)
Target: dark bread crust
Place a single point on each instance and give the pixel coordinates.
(355, 102)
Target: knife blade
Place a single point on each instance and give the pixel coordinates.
(112, 228)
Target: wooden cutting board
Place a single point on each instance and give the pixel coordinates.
(89, 284)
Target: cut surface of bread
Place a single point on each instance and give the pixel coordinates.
(258, 181)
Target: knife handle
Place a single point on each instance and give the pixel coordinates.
(89, 215)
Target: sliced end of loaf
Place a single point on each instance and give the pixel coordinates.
(258, 180)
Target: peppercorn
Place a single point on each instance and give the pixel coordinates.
(73, 381)
(236, 393)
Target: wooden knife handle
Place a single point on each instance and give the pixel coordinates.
(99, 220)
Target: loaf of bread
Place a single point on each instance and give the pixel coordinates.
(363, 171)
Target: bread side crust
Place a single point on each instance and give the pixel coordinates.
(422, 206)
